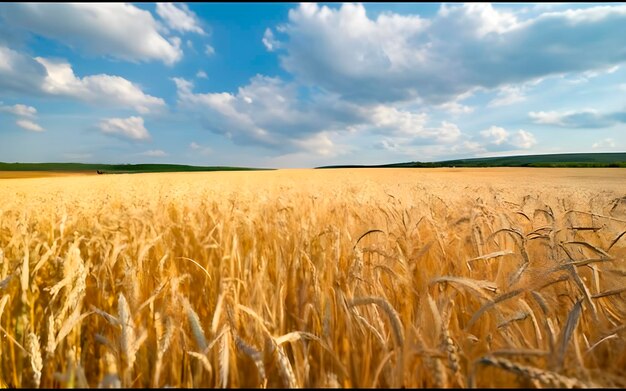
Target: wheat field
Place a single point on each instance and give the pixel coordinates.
(315, 278)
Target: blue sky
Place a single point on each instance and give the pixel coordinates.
(302, 85)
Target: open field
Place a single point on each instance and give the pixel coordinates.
(41, 174)
(491, 277)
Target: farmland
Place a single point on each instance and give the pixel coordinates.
(465, 277)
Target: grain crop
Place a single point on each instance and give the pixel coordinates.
(315, 278)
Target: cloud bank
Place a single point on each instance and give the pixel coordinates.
(131, 128)
(118, 30)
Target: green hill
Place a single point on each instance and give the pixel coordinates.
(555, 160)
(115, 168)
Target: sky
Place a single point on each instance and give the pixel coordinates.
(303, 85)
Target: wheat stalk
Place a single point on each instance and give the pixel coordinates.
(36, 362)
(548, 378)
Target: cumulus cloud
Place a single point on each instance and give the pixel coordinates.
(19, 110)
(202, 75)
(25, 114)
(154, 153)
(495, 134)
(497, 138)
(507, 95)
(388, 144)
(586, 118)
(411, 126)
(47, 77)
(283, 116)
(269, 41)
(19, 72)
(267, 112)
(405, 57)
(99, 89)
(179, 17)
(456, 108)
(446, 135)
(29, 125)
(346, 52)
(131, 128)
(522, 139)
(117, 30)
(320, 144)
(209, 50)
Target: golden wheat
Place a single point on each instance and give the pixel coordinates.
(315, 278)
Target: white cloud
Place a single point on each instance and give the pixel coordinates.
(131, 128)
(408, 128)
(584, 77)
(201, 75)
(42, 76)
(361, 50)
(98, 89)
(209, 50)
(266, 112)
(495, 134)
(546, 117)
(523, 139)
(118, 30)
(402, 123)
(478, 19)
(180, 19)
(586, 118)
(271, 44)
(26, 115)
(406, 124)
(19, 72)
(319, 144)
(468, 147)
(272, 113)
(389, 145)
(20, 110)
(430, 152)
(499, 139)
(507, 95)
(607, 143)
(176, 41)
(48, 77)
(29, 125)
(154, 153)
(404, 57)
(201, 149)
(454, 107)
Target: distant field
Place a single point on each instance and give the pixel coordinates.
(564, 160)
(114, 168)
(571, 160)
(40, 174)
(489, 277)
